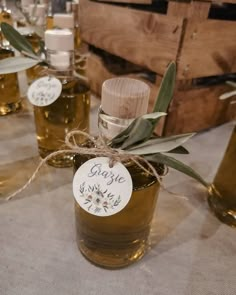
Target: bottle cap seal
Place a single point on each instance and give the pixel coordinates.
(61, 40)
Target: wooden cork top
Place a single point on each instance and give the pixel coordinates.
(125, 98)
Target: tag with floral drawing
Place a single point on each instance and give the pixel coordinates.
(44, 91)
(101, 190)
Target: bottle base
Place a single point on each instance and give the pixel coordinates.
(60, 161)
(10, 108)
(220, 210)
(113, 259)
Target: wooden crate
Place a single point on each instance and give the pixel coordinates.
(200, 46)
(151, 36)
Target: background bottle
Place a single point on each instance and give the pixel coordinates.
(33, 33)
(120, 239)
(82, 48)
(222, 194)
(70, 21)
(10, 100)
(71, 110)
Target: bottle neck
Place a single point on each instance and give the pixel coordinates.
(61, 63)
(110, 126)
(75, 11)
(49, 10)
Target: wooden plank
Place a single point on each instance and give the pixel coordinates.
(128, 1)
(147, 39)
(194, 9)
(220, 1)
(198, 109)
(208, 49)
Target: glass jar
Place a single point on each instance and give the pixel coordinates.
(122, 238)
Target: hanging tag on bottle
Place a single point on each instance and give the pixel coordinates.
(102, 190)
(44, 91)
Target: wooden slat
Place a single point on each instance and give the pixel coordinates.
(128, 1)
(147, 39)
(198, 109)
(194, 9)
(208, 49)
(220, 1)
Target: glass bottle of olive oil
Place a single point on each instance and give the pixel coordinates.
(71, 110)
(222, 193)
(118, 240)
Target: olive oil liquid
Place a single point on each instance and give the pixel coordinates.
(81, 50)
(6, 16)
(120, 239)
(222, 193)
(70, 111)
(49, 22)
(10, 101)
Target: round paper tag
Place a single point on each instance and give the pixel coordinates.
(101, 190)
(44, 91)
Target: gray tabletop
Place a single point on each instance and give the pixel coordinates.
(191, 252)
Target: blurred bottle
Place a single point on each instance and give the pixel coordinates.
(222, 193)
(71, 109)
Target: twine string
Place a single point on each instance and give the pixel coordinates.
(99, 149)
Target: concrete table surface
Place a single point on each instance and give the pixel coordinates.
(191, 252)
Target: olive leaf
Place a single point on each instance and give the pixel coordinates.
(166, 90)
(153, 116)
(16, 64)
(177, 165)
(140, 129)
(16, 40)
(157, 145)
(227, 95)
(231, 83)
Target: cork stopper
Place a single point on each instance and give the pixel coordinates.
(60, 40)
(125, 98)
(63, 20)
